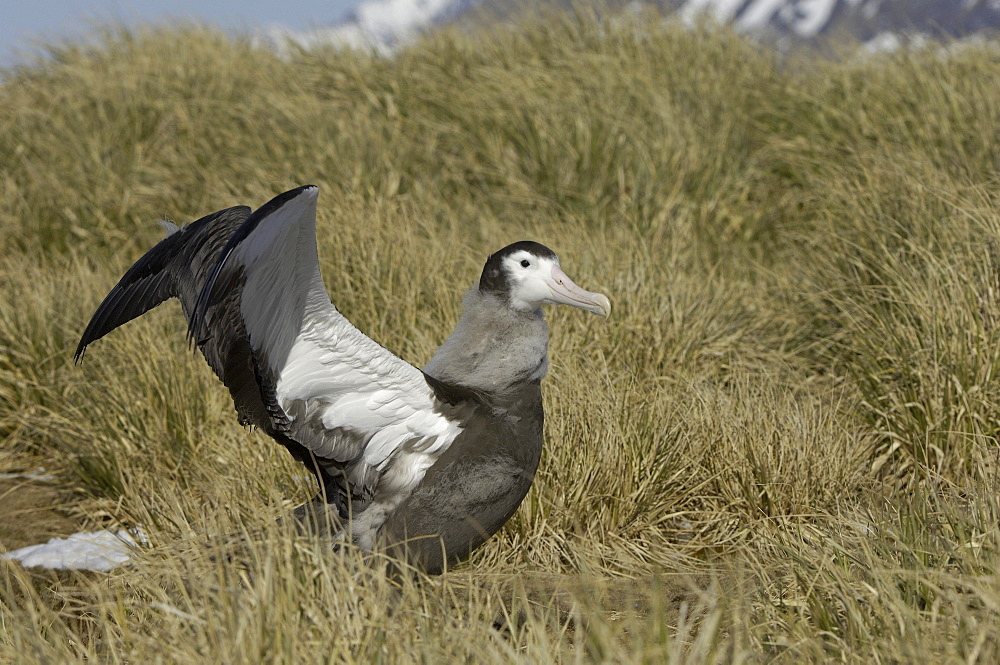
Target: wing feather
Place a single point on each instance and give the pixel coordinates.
(170, 269)
(338, 393)
(368, 423)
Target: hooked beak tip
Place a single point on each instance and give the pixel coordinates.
(603, 305)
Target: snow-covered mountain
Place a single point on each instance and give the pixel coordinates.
(860, 19)
(385, 24)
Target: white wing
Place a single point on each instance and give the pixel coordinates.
(326, 386)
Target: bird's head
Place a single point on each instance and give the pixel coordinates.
(527, 275)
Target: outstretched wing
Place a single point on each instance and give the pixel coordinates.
(361, 411)
(251, 289)
(178, 266)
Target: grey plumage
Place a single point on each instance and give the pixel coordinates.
(475, 486)
(493, 348)
(427, 465)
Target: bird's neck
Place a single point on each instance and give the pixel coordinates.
(494, 349)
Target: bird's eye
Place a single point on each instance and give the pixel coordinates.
(525, 263)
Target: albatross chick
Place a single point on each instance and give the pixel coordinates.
(424, 464)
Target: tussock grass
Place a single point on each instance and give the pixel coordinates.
(782, 447)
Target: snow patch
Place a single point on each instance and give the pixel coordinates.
(811, 16)
(96, 550)
(398, 18)
(376, 25)
(383, 26)
(884, 42)
(284, 41)
(758, 15)
(805, 17)
(722, 11)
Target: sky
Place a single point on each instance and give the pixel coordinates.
(23, 24)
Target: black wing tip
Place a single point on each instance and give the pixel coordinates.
(283, 198)
(150, 280)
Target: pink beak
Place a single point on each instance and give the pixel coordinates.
(566, 292)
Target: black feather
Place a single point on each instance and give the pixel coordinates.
(186, 265)
(160, 274)
(209, 294)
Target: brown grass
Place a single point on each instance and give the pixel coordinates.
(782, 447)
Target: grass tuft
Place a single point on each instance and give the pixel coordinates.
(782, 446)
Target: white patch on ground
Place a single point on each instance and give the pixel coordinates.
(37, 474)
(96, 550)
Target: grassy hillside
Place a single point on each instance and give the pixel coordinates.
(782, 446)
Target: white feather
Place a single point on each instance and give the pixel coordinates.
(317, 355)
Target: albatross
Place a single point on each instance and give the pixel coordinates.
(425, 464)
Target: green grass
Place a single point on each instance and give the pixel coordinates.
(781, 447)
